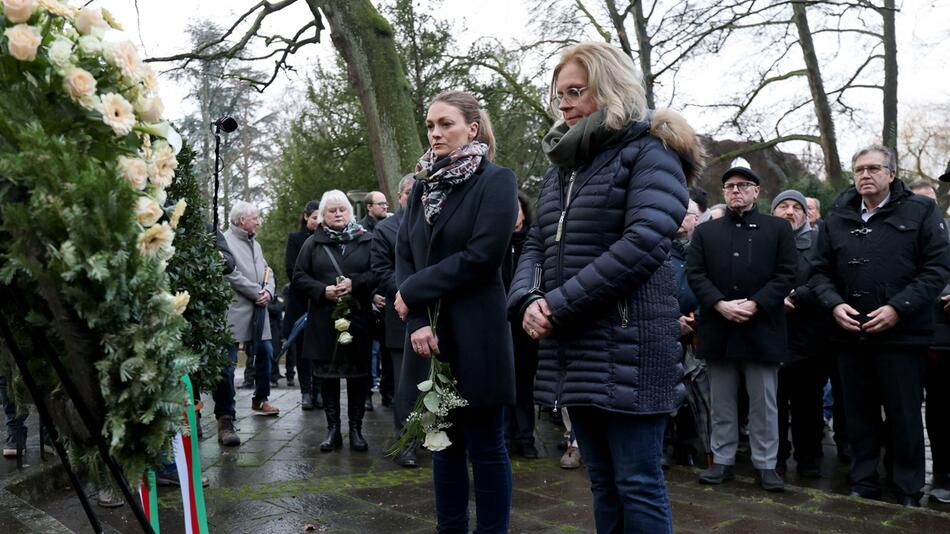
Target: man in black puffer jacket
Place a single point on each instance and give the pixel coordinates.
(741, 267)
(882, 261)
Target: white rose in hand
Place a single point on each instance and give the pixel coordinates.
(437, 441)
(341, 325)
(345, 338)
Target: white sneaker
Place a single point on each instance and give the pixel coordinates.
(941, 494)
(108, 499)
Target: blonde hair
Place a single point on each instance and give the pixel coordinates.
(612, 80)
(472, 112)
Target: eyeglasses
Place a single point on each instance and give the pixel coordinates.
(738, 186)
(570, 96)
(870, 169)
(383, 204)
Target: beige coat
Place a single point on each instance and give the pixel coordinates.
(246, 280)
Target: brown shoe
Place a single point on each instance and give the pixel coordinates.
(571, 458)
(264, 408)
(226, 434)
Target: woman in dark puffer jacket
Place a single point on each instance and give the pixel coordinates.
(595, 284)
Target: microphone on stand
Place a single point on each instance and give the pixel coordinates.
(227, 125)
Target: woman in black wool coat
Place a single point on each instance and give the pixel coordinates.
(450, 248)
(297, 306)
(335, 263)
(595, 283)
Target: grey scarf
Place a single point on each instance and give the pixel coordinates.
(572, 147)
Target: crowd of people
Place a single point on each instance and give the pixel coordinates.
(619, 301)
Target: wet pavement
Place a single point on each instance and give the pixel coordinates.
(278, 481)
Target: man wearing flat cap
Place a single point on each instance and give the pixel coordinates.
(741, 267)
(882, 260)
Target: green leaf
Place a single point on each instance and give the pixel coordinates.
(431, 401)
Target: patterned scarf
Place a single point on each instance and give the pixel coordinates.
(440, 176)
(350, 231)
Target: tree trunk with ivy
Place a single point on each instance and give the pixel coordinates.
(889, 133)
(366, 41)
(826, 124)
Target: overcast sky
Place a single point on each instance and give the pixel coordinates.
(921, 25)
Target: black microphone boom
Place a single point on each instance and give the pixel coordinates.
(228, 125)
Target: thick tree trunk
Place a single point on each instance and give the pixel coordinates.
(645, 52)
(366, 41)
(889, 134)
(826, 125)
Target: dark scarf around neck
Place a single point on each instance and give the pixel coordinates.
(571, 147)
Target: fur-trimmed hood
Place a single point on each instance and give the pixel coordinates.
(677, 135)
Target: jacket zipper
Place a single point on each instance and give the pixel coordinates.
(536, 281)
(565, 205)
(624, 319)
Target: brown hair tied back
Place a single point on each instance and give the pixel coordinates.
(472, 112)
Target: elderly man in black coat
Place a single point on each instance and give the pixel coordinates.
(407, 372)
(741, 267)
(882, 261)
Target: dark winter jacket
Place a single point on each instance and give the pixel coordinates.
(296, 304)
(313, 273)
(898, 257)
(749, 255)
(368, 222)
(684, 295)
(457, 261)
(608, 281)
(808, 321)
(384, 267)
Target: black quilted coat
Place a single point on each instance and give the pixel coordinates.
(608, 280)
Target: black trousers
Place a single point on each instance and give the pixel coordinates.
(412, 369)
(937, 383)
(892, 377)
(839, 419)
(800, 395)
(519, 419)
(387, 378)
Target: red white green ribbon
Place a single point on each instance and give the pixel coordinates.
(188, 463)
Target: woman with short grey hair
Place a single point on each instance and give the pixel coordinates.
(333, 271)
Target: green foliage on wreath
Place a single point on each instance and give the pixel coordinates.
(83, 249)
(197, 268)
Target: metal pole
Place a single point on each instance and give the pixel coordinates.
(217, 149)
(89, 422)
(40, 402)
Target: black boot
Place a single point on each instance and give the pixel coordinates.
(334, 437)
(316, 396)
(355, 410)
(357, 443)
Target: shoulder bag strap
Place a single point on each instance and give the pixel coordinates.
(336, 264)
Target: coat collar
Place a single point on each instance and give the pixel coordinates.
(455, 199)
(849, 202)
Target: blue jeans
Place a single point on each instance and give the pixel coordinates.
(224, 392)
(262, 364)
(9, 409)
(624, 458)
(477, 434)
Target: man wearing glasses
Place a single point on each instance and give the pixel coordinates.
(882, 260)
(741, 266)
(377, 209)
